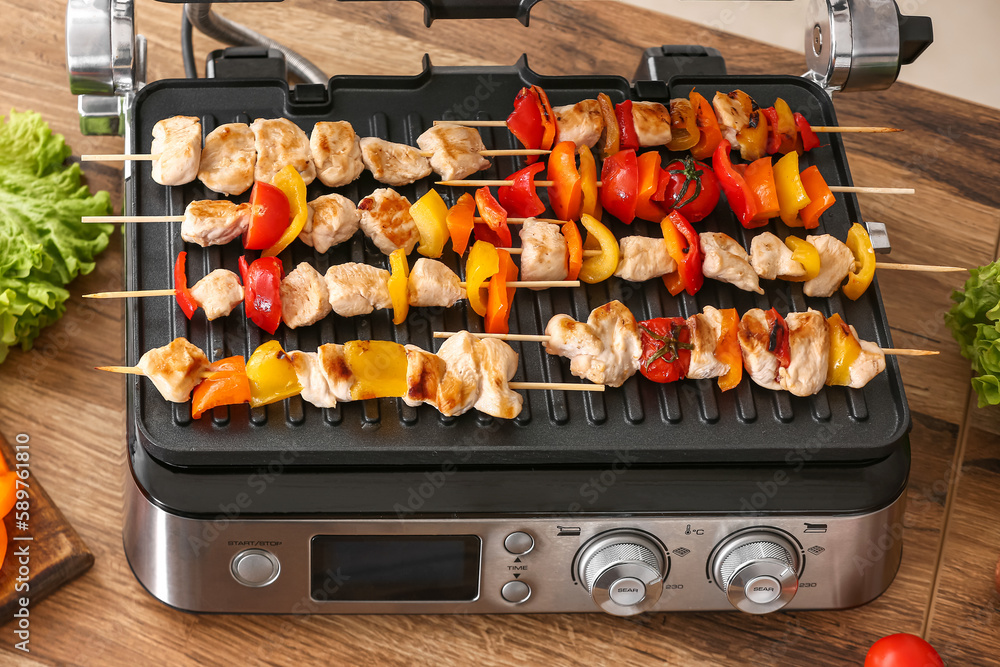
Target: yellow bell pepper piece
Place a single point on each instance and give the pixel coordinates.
(863, 273)
(271, 374)
(379, 368)
(844, 351)
(599, 267)
(399, 290)
(430, 214)
(483, 264)
(792, 196)
(804, 253)
(588, 184)
(289, 181)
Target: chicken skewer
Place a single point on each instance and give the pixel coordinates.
(824, 129)
(546, 184)
(466, 373)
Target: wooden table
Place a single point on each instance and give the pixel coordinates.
(74, 416)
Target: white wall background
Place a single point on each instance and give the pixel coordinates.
(964, 60)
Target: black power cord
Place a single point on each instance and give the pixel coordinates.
(187, 48)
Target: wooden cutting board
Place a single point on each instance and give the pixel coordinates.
(55, 553)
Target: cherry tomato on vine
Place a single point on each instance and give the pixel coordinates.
(689, 187)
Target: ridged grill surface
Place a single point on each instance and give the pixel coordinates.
(642, 422)
(750, 552)
(617, 553)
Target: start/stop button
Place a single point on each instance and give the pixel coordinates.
(255, 567)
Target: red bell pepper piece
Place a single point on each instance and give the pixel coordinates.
(228, 384)
(525, 121)
(460, 222)
(566, 191)
(806, 135)
(649, 181)
(521, 200)
(738, 193)
(262, 291)
(620, 185)
(666, 349)
(627, 136)
(548, 118)
(495, 217)
(574, 242)
(185, 299)
(779, 344)
(500, 297)
(684, 247)
(820, 196)
(270, 215)
(773, 138)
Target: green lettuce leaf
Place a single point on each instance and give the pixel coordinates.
(43, 243)
(975, 323)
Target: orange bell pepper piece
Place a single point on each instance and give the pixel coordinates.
(8, 494)
(610, 141)
(500, 297)
(591, 204)
(227, 384)
(759, 176)
(649, 180)
(674, 283)
(708, 124)
(460, 221)
(820, 196)
(548, 118)
(574, 259)
(566, 193)
(727, 349)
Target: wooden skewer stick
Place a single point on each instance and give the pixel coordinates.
(132, 218)
(586, 253)
(170, 292)
(556, 386)
(846, 129)
(146, 157)
(873, 191)
(927, 268)
(536, 338)
(473, 123)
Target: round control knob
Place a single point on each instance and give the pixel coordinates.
(623, 571)
(757, 570)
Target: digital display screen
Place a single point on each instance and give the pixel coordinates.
(395, 568)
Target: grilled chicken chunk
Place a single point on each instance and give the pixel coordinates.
(324, 375)
(643, 258)
(458, 390)
(836, 261)
(870, 362)
(809, 353)
(580, 123)
(336, 152)
(544, 251)
(332, 220)
(726, 260)
(771, 258)
(218, 293)
(174, 369)
(177, 147)
(386, 219)
(732, 117)
(393, 164)
(455, 150)
(305, 298)
(214, 222)
(357, 289)
(605, 350)
(432, 283)
(280, 143)
(228, 160)
(754, 334)
(497, 363)
(652, 123)
(705, 330)
(424, 373)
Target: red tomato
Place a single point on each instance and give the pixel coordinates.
(902, 650)
(666, 349)
(270, 215)
(691, 184)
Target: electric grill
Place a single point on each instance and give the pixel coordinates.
(648, 497)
